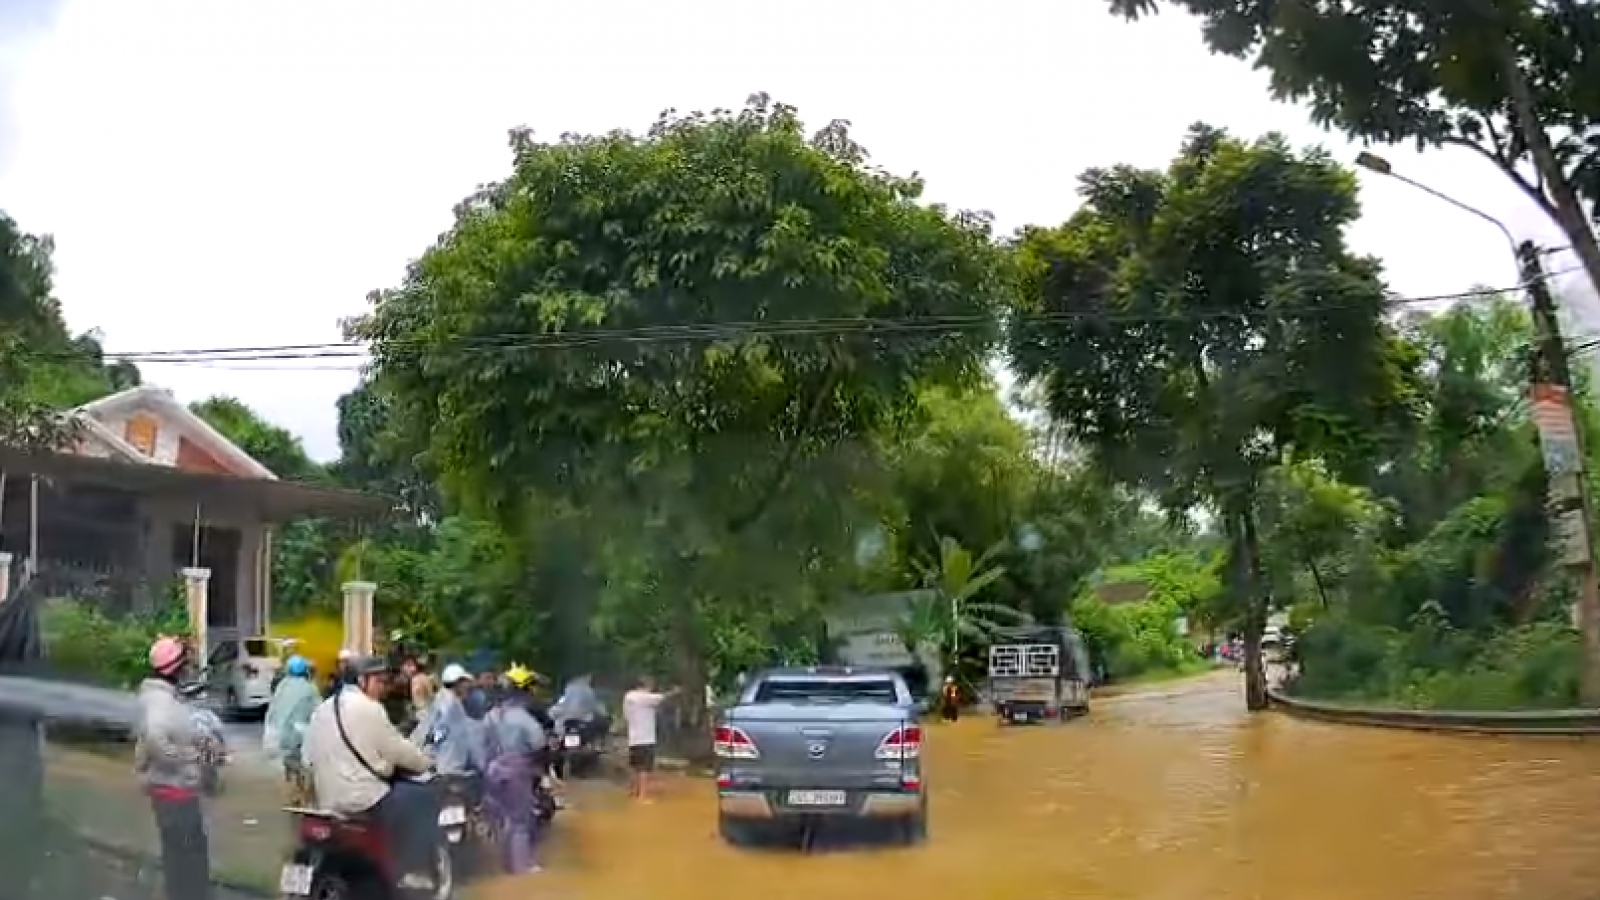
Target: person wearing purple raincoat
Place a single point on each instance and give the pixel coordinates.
(515, 743)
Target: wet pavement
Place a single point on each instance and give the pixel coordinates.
(1165, 795)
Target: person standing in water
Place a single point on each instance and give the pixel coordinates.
(950, 699)
(641, 708)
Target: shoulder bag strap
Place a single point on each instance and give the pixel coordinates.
(338, 719)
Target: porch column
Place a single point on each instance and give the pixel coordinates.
(5, 575)
(197, 588)
(358, 616)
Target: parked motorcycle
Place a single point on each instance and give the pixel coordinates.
(338, 858)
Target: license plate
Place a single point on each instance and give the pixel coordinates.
(295, 880)
(1019, 717)
(452, 815)
(816, 798)
(571, 740)
(453, 835)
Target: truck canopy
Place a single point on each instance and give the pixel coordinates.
(1074, 654)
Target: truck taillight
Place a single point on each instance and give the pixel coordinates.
(904, 742)
(730, 742)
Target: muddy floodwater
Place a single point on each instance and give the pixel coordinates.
(1170, 795)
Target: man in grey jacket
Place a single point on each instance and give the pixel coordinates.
(178, 754)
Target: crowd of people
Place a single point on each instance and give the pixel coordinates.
(360, 744)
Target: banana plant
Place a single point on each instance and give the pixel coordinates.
(948, 613)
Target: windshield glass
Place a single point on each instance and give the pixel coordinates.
(816, 690)
(259, 648)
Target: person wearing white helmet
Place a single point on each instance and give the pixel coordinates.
(445, 730)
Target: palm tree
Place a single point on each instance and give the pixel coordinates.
(947, 612)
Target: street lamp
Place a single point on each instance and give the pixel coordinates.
(1378, 165)
(1569, 490)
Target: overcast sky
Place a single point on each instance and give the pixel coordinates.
(243, 173)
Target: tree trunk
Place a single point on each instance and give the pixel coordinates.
(1562, 203)
(1316, 577)
(689, 664)
(1255, 616)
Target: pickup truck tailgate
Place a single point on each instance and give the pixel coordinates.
(836, 746)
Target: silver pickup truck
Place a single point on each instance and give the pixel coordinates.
(806, 745)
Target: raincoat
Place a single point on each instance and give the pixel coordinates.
(288, 713)
(284, 733)
(578, 701)
(450, 736)
(515, 742)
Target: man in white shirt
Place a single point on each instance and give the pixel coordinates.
(640, 709)
(358, 763)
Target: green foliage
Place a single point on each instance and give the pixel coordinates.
(270, 445)
(1433, 666)
(947, 613)
(1210, 320)
(85, 643)
(43, 368)
(1142, 638)
(1515, 82)
(739, 456)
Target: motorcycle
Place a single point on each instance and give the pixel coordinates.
(340, 858)
(581, 748)
(464, 822)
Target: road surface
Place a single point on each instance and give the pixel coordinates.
(1168, 795)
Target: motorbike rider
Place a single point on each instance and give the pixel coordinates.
(358, 765)
(288, 714)
(950, 699)
(446, 731)
(580, 703)
(482, 696)
(343, 673)
(178, 752)
(517, 759)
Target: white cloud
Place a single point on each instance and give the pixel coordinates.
(241, 174)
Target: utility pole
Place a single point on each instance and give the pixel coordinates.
(1572, 509)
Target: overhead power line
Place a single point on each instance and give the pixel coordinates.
(219, 357)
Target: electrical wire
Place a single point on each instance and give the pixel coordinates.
(715, 331)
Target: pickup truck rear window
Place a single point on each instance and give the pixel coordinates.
(822, 690)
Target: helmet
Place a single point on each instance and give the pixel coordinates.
(452, 674)
(347, 655)
(370, 665)
(520, 676)
(167, 654)
(298, 665)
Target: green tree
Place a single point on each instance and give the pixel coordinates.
(1516, 82)
(271, 445)
(1204, 320)
(681, 337)
(43, 368)
(947, 613)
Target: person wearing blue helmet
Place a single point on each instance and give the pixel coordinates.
(288, 713)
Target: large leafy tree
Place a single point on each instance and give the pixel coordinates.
(43, 368)
(1190, 326)
(1515, 81)
(691, 338)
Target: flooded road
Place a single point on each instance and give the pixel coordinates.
(1163, 796)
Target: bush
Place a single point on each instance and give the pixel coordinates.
(1133, 639)
(1434, 667)
(83, 643)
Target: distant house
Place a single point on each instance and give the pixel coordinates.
(149, 489)
(1117, 592)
